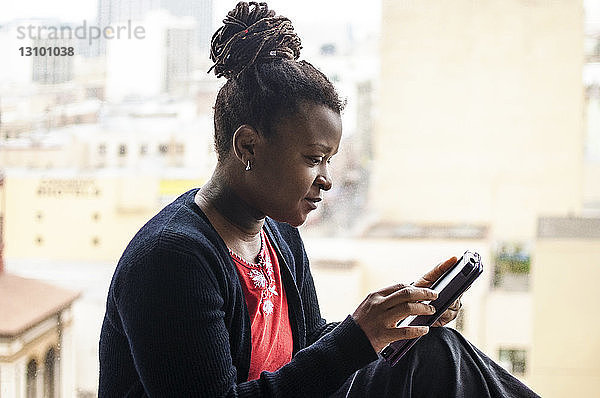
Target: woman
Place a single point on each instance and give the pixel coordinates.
(214, 297)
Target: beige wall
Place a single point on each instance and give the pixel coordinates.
(81, 217)
(108, 209)
(507, 325)
(480, 112)
(591, 179)
(566, 326)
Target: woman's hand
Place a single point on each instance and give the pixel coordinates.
(450, 314)
(429, 278)
(379, 313)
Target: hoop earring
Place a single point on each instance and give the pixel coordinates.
(248, 166)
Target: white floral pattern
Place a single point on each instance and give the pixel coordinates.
(262, 277)
(260, 282)
(265, 280)
(268, 307)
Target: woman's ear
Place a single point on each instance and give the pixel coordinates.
(244, 141)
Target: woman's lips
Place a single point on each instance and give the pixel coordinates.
(312, 202)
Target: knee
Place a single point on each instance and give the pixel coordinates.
(430, 367)
(443, 334)
(440, 343)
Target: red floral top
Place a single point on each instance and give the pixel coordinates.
(272, 342)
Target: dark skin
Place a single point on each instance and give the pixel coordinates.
(287, 175)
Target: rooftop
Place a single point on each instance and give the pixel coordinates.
(26, 302)
(568, 227)
(426, 231)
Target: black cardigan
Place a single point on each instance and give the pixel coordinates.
(176, 322)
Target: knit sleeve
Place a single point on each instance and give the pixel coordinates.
(170, 307)
(171, 312)
(316, 326)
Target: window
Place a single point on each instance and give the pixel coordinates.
(39, 216)
(514, 361)
(511, 267)
(163, 148)
(31, 386)
(39, 240)
(95, 241)
(101, 149)
(328, 49)
(122, 150)
(143, 149)
(92, 92)
(50, 374)
(96, 216)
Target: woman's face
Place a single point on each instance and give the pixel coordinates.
(291, 168)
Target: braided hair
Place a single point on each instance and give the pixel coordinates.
(257, 52)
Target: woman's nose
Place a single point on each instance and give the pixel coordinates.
(324, 182)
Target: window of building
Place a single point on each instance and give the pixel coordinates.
(39, 216)
(511, 267)
(101, 149)
(95, 241)
(328, 49)
(143, 149)
(92, 92)
(514, 361)
(96, 216)
(31, 386)
(122, 150)
(163, 148)
(50, 374)
(39, 240)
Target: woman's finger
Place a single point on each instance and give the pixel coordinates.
(446, 318)
(399, 312)
(450, 314)
(406, 332)
(456, 305)
(437, 271)
(386, 291)
(409, 294)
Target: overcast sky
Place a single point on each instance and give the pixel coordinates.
(316, 11)
(362, 15)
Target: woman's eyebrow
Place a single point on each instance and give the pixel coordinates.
(324, 148)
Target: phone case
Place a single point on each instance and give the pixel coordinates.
(450, 286)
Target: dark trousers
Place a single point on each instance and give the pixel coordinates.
(442, 364)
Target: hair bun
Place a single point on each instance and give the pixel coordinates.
(251, 33)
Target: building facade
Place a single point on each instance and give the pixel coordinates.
(566, 342)
(36, 339)
(481, 125)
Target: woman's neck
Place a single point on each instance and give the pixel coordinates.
(237, 223)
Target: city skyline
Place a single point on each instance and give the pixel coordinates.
(501, 84)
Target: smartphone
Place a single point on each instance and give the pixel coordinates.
(449, 286)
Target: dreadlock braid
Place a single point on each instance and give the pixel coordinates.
(251, 35)
(257, 52)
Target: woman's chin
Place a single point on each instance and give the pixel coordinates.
(295, 221)
(297, 224)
